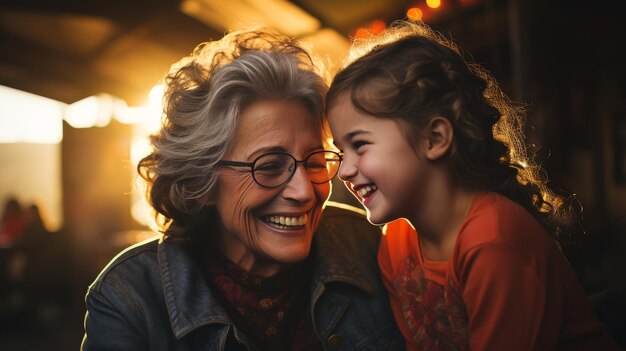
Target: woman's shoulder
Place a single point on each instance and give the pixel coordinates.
(344, 228)
(347, 223)
(132, 262)
(345, 251)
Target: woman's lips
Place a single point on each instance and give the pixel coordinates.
(288, 220)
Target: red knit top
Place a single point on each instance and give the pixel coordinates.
(506, 286)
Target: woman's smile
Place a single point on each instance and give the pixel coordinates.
(272, 223)
(286, 222)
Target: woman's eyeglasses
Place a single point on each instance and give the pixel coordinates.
(274, 169)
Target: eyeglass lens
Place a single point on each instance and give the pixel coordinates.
(276, 168)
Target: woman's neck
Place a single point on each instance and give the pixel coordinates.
(244, 258)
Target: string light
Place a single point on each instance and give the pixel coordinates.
(362, 33)
(433, 4)
(378, 26)
(414, 14)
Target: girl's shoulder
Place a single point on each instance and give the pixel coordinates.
(493, 219)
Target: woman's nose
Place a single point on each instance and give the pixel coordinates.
(300, 187)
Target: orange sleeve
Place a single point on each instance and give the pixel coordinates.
(505, 300)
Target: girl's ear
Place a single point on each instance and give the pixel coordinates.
(440, 134)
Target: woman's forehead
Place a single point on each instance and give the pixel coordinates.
(277, 125)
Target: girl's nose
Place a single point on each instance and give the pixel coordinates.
(346, 170)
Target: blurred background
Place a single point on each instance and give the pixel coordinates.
(80, 89)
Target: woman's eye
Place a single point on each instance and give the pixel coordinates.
(270, 168)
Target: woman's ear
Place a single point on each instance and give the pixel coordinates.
(210, 199)
(439, 134)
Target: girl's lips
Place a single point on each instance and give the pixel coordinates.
(365, 190)
(370, 196)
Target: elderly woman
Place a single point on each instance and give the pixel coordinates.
(247, 261)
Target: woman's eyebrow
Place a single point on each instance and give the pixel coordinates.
(269, 149)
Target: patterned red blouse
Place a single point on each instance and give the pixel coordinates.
(506, 286)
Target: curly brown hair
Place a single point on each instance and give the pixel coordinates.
(418, 75)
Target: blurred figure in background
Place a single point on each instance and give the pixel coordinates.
(12, 222)
(12, 264)
(35, 292)
(45, 282)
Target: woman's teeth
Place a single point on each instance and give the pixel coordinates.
(367, 190)
(284, 222)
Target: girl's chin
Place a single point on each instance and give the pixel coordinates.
(372, 218)
(377, 218)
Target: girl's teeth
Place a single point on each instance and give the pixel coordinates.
(366, 190)
(288, 221)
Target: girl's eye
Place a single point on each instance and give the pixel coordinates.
(358, 144)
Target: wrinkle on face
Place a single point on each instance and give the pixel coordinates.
(244, 182)
(243, 205)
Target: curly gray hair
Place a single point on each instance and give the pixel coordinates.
(205, 94)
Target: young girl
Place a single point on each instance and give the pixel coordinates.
(429, 138)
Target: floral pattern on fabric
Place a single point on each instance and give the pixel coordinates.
(273, 311)
(435, 314)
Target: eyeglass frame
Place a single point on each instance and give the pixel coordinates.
(303, 162)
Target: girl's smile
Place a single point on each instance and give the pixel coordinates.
(364, 192)
(381, 168)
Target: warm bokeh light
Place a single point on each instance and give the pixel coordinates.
(31, 130)
(146, 120)
(82, 113)
(92, 111)
(378, 26)
(433, 4)
(29, 118)
(140, 147)
(362, 33)
(414, 13)
(155, 97)
(328, 46)
(281, 15)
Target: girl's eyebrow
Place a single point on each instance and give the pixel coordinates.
(350, 136)
(354, 133)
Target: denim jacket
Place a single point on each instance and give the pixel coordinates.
(153, 296)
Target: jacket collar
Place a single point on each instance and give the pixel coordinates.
(191, 304)
(334, 262)
(189, 300)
